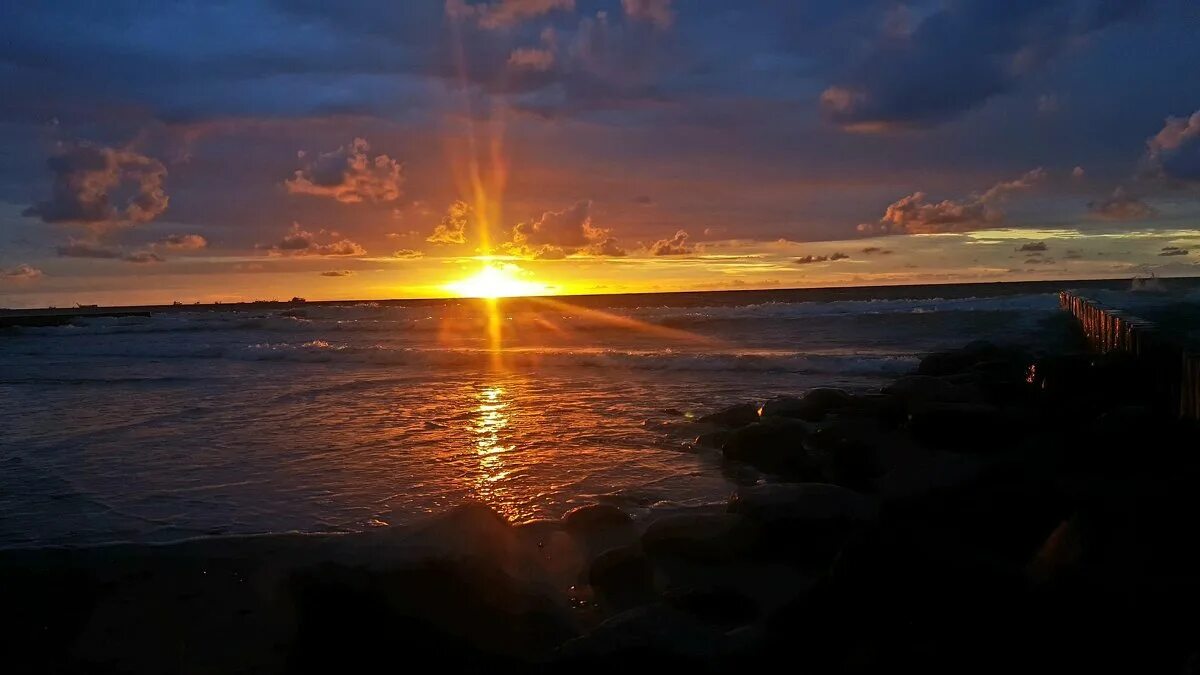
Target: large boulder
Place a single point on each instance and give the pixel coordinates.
(811, 407)
(772, 503)
(622, 577)
(806, 523)
(652, 636)
(594, 517)
(913, 389)
(733, 417)
(965, 427)
(774, 445)
(702, 536)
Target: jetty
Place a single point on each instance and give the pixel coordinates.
(1172, 360)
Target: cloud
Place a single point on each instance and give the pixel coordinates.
(656, 12)
(83, 249)
(958, 57)
(1174, 152)
(349, 175)
(504, 13)
(86, 178)
(531, 58)
(1033, 247)
(338, 273)
(1039, 261)
(646, 200)
(142, 257)
(915, 214)
(872, 250)
(1173, 251)
(556, 234)
(1122, 205)
(810, 259)
(20, 273)
(1077, 172)
(299, 242)
(407, 254)
(676, 245)
(183, 242)
(453, 228)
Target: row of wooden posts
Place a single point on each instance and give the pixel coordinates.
(1174, 369)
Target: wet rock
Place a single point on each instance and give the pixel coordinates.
(713, 439)
(964, 427)
(733, 417)
(595, 517)
(622, 577)
(811, 407)
(704, 536)
(959, 360)
(848, 455)
(774, 445)
(924, 388)
(791, 502)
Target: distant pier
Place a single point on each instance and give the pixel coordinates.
(1175, 367)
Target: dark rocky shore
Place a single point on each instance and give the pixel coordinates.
(996, 511)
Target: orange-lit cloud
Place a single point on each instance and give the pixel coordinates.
(1122, 205)
(915, 214)
(21, 273)
(349, 175)
(86, 178)
(676, 245)
(504, 13)
(183, 242)
(300, 242)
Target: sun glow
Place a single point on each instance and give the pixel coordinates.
(496, 281)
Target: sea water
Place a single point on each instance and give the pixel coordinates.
(341, 417)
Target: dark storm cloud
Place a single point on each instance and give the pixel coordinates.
(87, 180)
(959, 56)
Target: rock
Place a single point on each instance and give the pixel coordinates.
(774, 445)
(804, 523)
(695, 536)
(790, 502)
(651, 636)
(622, 577)
(733, 417)
(724, 608)
(713, 439)
(595, 517)
(921, 388)
(846, 457)
(812, 407)
(963, 427)
(952, 362)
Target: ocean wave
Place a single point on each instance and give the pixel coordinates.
(321, 351)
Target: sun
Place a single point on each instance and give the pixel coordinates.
(496, 281)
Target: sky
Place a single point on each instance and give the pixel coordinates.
(264, 149)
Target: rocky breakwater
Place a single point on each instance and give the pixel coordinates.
(995, 511)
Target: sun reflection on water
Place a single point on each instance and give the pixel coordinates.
(489, 430)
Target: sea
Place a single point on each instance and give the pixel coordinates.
(339, 417)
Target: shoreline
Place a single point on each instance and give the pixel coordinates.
(983, 513)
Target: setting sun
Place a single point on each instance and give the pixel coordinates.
(497, 281)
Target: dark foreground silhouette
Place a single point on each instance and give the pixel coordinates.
(998, 511)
